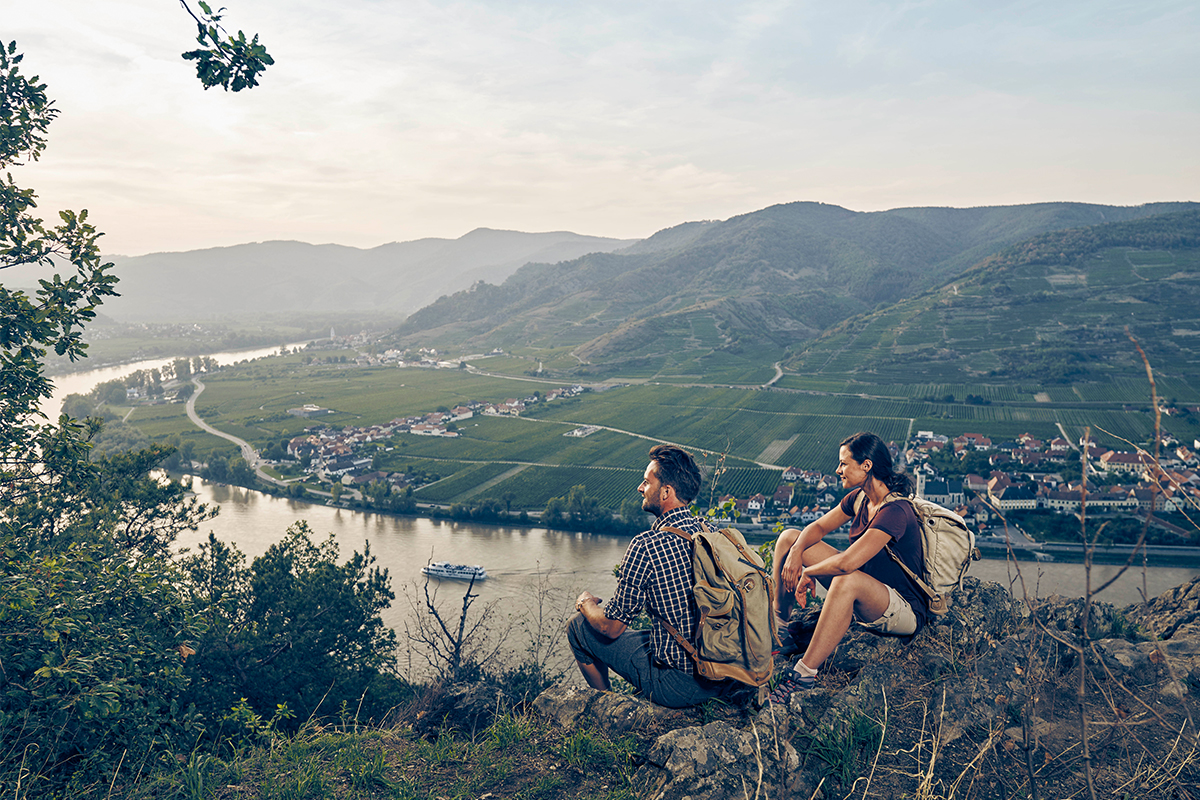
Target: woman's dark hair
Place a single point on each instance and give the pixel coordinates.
(866, 445)
(677, 470)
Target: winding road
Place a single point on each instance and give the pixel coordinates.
(248, 452)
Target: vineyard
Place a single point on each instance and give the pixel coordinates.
(462, 481)
(797, 423)
(534, 487)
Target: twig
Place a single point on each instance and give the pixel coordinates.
(993, 735)
(926, 785)
(879, 749)
(757, 758)
(113, 782)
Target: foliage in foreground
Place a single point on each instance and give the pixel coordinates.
(517, 756)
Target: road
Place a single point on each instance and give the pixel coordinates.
(248, 452)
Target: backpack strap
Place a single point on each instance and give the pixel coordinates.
(687, 646)
(687, 537)
(933, 596)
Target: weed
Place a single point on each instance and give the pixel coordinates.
(442, 750)
(584, 750)
(840, 746)
(367, 770)
(547, 787)
(507, 730)
(193, 780)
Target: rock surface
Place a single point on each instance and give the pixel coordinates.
(994, 673)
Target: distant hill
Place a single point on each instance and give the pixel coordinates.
(779, 277)
(283, 277)
(1054, 309)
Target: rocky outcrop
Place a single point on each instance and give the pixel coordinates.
(997, 674)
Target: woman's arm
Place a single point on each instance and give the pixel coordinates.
(853, 558)
(814, 532)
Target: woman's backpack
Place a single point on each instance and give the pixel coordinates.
(947, 544)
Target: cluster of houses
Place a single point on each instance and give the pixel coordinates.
(334, 454)
(1170, 484)
(1167, 484)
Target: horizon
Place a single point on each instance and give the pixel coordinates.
(385, 123)
(616, 238)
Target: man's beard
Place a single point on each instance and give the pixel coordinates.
(650, 507)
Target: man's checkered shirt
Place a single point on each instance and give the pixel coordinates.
(656, 575)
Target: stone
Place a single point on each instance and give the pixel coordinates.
(982, 666)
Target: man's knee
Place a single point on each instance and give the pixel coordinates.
(578, 638)
(574, 629)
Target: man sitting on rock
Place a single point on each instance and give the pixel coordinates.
(656, 576)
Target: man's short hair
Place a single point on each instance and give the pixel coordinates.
(677, 470)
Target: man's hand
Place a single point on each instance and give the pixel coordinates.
(589, 605)
(586, 597)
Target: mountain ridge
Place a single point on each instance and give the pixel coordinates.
(779, 275)
(289, 276)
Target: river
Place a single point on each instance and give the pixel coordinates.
(575, 561)
(512, 556)
(84, 382)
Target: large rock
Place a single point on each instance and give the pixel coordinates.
(717, 761)
(1174, 613)
(570, 706)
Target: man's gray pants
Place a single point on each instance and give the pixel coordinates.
(629, 656)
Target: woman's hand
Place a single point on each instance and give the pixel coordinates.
(793, 566)
(804, 585)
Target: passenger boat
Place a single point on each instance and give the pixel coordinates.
(444, 569)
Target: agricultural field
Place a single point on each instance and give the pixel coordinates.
(533, 487)
(462, 482)
(798, 422)
(164, 422)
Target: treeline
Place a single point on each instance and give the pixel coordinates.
(1164, 232)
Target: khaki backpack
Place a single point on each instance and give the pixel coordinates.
(733, 591)
(947, 543)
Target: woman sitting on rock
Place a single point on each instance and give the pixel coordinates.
(863, 583)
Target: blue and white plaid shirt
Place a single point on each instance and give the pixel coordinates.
(657, 576)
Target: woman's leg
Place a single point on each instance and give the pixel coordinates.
(783, 545)
(855, 593)
(817, 551)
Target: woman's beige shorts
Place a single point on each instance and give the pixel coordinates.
(898, 620)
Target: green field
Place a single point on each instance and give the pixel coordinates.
(798, 422)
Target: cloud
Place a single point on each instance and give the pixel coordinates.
(390, 121)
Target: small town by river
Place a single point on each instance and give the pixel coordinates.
(515, 556)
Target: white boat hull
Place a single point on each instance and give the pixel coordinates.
(458, 572)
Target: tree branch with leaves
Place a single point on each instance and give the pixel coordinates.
(224, 60)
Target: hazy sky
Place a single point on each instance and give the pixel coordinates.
(390, 120)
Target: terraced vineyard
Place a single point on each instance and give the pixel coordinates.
(798, 422)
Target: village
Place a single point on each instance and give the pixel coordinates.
(1022, 474)
(334, 455)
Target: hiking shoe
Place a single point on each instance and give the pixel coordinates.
(792, 682)
(787, 643)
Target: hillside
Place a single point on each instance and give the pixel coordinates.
(773, 278)
(1052, 310)
(294, 277)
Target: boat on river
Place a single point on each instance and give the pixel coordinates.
(444, 569)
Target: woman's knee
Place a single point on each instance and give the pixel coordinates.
(784, 542)
(852, 584)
